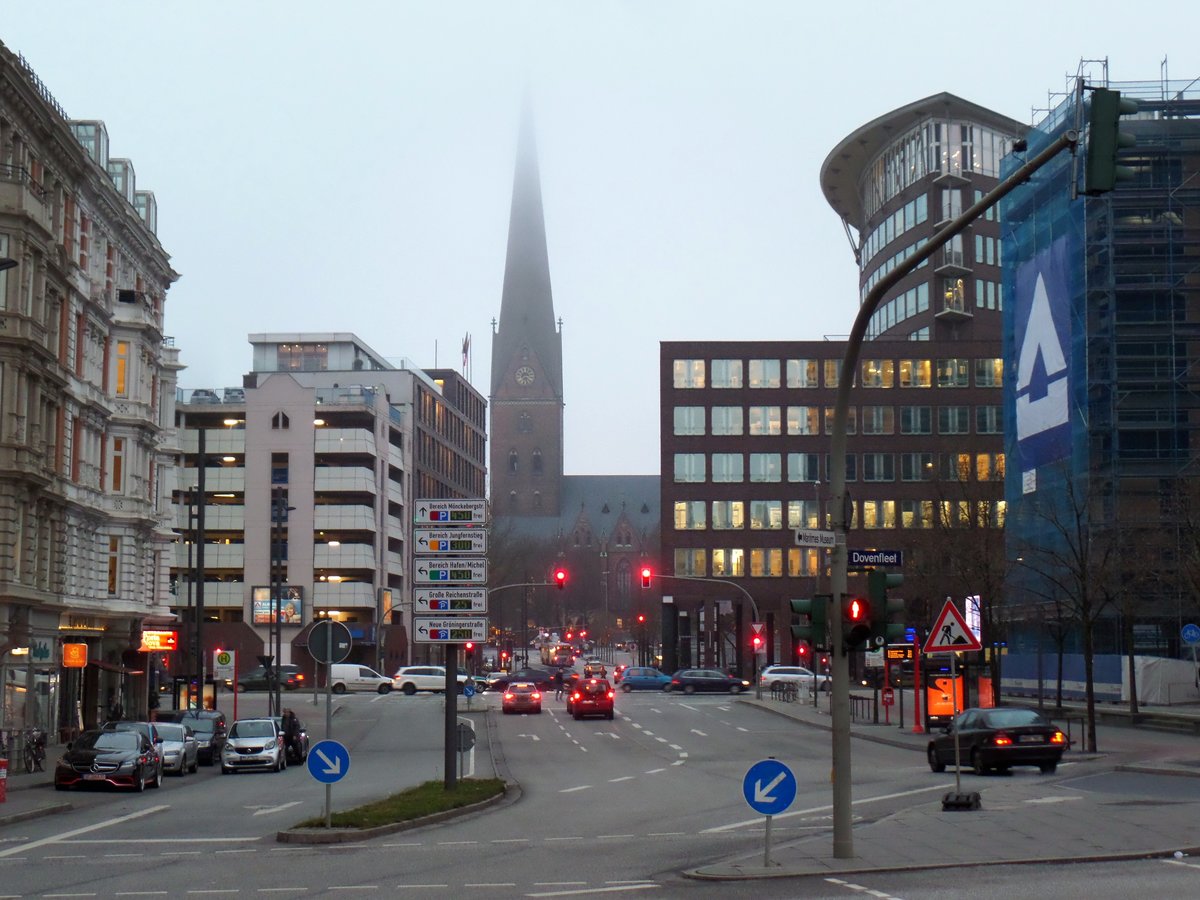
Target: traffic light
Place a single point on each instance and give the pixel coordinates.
(884, 630)
(802, 655)
(856, 621)
(647, 574)
(560, 577)
(817, 612)
(641, 618)
(469, 646)
(570, 635)
(1104, 141)
(757, 643)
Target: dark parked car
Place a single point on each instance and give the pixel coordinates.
(999, 739)
(149, 731)
(691, 681)
(208, 725)
(124, 759)
(259, 679)
(543, 678)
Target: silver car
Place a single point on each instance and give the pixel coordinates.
(253, 744)
(180, 749)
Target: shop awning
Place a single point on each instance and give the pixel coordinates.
(113, 667)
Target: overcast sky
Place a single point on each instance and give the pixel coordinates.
(347, 166)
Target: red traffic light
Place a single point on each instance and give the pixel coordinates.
(641, 618)
(856, 611)
(647, 574)
(560, 578)
(757, 641)
(469, 646)
(504, 654)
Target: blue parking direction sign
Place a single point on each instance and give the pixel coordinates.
(1191, 633)
(769, 787)
(328, 761)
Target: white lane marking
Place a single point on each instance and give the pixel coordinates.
(275, 809)
(882, 895)
(353, 887)
(420, 887)
(68, 856)
(56, 838)
(1051, 799)
(561, 838)
(740, 728)
(406, 844)
(616, 888)
(455, 843)
(653, 771)
(245, 850)
(612, 837)
(817, 809)
(215, 891)
(689, 706)
(699, 732)
(532, 737)
(678, 762)
(496, 841)
(558, 883)
(662, 834)
(149, 840)
(489, 884)
(661, 740)
(578, 787)
(649, 733)
(676, 747)
(723, 708)
(1180, 862)
(622, 778)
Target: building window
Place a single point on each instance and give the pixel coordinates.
(689, 420)
(727, 420)
(118, 465)
(802, 373)
(802, 562)
(764, 373)
(954, 420)
(879, 514)
(878, 373)
(953, 373)
(514, 462)
(690, 561)
(302, 357)
(832, 367)
(916, 420)
(989, 420)
(764, 420)
(954, 466)
(765, 468)
(535, 461)
(728, 515)
(525, 423)
(851, 466)
(916, 513)
(916, 373)
(989, 466)
(280, 421)
(688, 373)
(728, 562)
(803, 467)
(689, 515)
(123, 374)
(728, 468)
(879, 467)
(916, 466)
(766, 563)
(766, 514)
(804, 419)
(114, 564)
(878, 420)
(689, 467)
(726, 373)
(989, 373)
(851, 420)
(804, 514)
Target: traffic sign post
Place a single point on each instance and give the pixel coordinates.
(441, 600)
(1191, 637)
(769, 787)
(449, 629)
(328, 761)
(951, 634)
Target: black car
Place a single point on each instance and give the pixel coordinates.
(208, 725)
(999, 739)
(543, 678)
(259, 679)
(123, 759)
(691, 681)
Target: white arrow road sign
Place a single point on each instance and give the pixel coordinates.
(763, 794)
(332, 766)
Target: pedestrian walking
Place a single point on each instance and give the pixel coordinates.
(558, 684)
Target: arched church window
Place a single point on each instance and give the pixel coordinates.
(537, 462)
(279, 420)
(623, 578)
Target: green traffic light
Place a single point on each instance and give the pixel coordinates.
(816, 610)
(884, 630)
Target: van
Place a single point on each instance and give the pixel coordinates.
(353, 677)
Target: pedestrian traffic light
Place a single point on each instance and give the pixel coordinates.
(885, 629)
(816, 611)
(1105, 139)
(647, 574)
(856, 621)
(469, 646)
(560, 577)
(802, 654)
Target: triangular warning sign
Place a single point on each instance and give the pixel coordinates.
(950, 633)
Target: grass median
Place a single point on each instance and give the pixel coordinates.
(414, 803)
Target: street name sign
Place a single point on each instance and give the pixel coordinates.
(859, 558)
(769, 787)
(449, 629)
(450, 541)
(950, 633)
(467, 570)
(450, 512)
(450, 600)
(328, 761)
(806, 537)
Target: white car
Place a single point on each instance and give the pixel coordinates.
(798, 675)
(411, 679)
(180, 750)
(253, 744)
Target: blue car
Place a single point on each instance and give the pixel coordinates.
(643, 678)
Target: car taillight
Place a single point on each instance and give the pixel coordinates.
(576, 695)
(508, 696)
(611, 695)
(1058, 738)
(1000, 739)
(536, 696)
(299, 676)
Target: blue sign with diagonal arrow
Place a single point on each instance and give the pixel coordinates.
(769, 787)
(328, 761)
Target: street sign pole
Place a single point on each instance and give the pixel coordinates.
(329, 719)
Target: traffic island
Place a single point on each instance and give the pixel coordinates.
(426, 804)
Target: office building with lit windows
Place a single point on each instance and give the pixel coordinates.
(746, 425)
(303, 479)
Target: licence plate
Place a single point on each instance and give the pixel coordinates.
(93, 776)
(1030, 739)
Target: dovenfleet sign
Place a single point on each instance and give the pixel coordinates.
(876, 558)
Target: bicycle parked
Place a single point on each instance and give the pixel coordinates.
(34, 750)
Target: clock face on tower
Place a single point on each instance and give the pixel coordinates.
(525, 376)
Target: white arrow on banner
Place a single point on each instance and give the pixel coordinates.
(763, 794)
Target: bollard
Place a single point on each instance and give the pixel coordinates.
(3, 779)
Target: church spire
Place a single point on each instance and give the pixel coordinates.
(527, 304)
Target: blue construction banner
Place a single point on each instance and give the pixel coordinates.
(1042, 319)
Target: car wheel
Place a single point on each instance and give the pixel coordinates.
(977, 763)
(689, 689)
(578, 717)
(626, 688)
(1048, 768)
(140, 784)
(239, 688)
(409, 689)
(157, 779)
(195, 766)
(385, 689)
(666, 688)
(339, 689)
(609, 716)
(735, 689)
(936, 766)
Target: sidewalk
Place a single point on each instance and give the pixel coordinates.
(30, 797)
(1022, 820)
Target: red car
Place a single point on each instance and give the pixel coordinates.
(593, 697)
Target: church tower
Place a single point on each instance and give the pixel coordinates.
(526, 459)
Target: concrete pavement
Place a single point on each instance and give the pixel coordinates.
(1022, 819)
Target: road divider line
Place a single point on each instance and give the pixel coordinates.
(58, 838)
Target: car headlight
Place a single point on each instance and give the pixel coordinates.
(270, 745)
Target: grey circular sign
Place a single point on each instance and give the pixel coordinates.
(329, 642)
